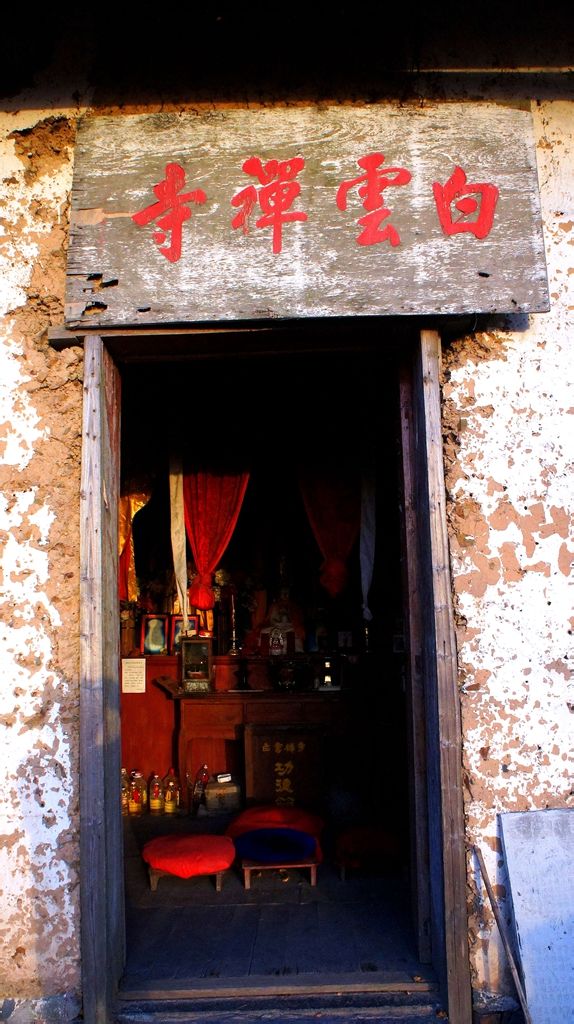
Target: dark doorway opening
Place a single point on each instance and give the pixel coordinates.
(276, 413)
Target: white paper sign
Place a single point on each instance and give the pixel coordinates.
(133, 675)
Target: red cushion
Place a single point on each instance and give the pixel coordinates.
(270, 816)
(186, 856)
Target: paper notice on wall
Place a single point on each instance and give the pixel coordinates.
(539, 854)
(133, 675)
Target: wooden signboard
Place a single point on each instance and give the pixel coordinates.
(539, 854)
(284, 765)
(237, 215)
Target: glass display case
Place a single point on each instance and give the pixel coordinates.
(196, 664)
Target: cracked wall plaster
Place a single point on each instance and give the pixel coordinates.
(40, 439)
(508, 404)
(507, 421)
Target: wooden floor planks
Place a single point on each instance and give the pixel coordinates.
(187, 935)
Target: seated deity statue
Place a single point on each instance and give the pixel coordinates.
(283, 631)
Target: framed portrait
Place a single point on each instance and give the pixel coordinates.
(176, 628)
(154, 634)
(196, 670)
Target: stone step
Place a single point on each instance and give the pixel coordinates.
(329, 1015)
(302, 1008)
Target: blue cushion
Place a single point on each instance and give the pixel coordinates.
(276, 845)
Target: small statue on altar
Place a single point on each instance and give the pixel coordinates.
(283, 631)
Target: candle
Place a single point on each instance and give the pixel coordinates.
(233, 649)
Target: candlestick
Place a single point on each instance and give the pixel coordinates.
(234, 649)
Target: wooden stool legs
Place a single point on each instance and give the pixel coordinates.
(253, 865)
(155, 875)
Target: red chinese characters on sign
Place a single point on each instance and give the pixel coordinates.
(276, 194)
(461, 195)
(462, 206)
(372, 185)
(170, 211)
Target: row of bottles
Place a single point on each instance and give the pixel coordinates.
(160, 796)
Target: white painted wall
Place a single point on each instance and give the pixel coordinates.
(512, 549)
(512, 545)
(39, 919)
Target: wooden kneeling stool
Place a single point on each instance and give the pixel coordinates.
(265, 839)
(188, 857)
(155, 874)
(248, 866)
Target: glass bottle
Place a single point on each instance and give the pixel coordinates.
(171, 793)
(198, 792)
(138, 794)
(156, 801)
(125, 791)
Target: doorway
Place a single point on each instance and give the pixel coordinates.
(282, 418)
(296, 398)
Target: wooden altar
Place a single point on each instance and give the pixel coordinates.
(235, 730)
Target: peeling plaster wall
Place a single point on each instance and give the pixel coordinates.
(507, 425)
(508, 404)
(40, 446)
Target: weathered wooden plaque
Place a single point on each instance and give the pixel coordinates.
(284, 765)
(298, 212)
(539, 854)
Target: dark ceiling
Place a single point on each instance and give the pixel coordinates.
(252, 51)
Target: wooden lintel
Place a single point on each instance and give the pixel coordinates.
(61, 337)
(168, 341)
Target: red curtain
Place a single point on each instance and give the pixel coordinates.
(333, 504)
(212, 503)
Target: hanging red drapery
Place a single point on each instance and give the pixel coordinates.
(332, 499)
(212, 502)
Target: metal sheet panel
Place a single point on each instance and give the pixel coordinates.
(539, 853)
(305, 212)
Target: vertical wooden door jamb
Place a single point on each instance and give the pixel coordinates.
(444, 734)
(101, 895)
(418, 806)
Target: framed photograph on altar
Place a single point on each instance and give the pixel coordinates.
(154, 634)
(176, 633)
(196, 670)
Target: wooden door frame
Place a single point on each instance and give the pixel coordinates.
(101, 838)
(434, 705)
(436, 731)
